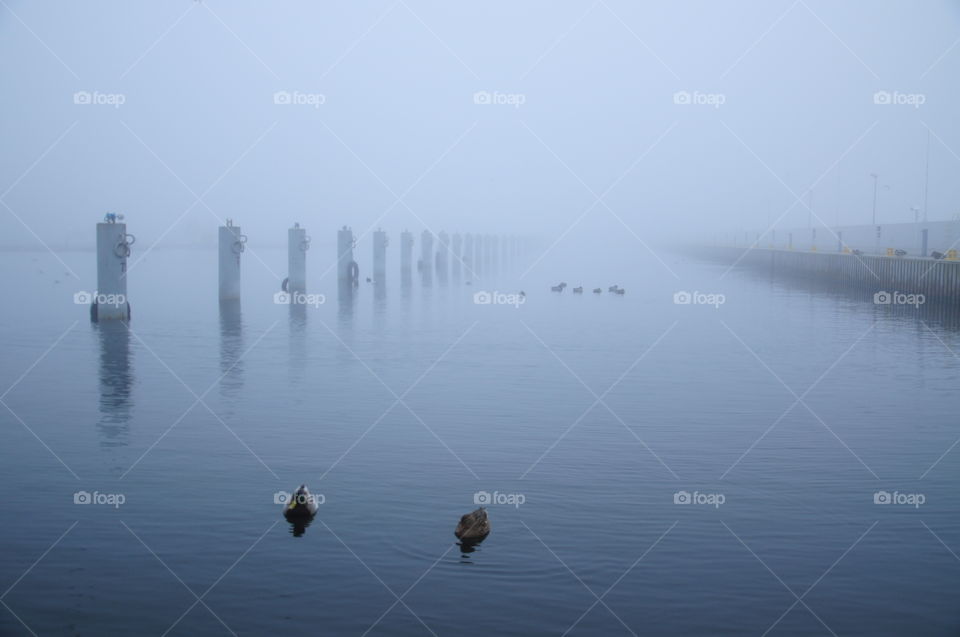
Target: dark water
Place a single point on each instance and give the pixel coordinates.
(398, 407)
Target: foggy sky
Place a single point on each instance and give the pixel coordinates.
(399, 119)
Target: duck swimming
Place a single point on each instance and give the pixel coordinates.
(302, 504)
(597, 291)
(578, 290)
(473, 526)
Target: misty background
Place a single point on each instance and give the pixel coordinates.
(400, 141)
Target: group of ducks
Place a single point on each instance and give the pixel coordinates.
(614, 289)
(473, 528)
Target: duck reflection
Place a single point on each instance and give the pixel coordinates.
(469, 546)
(231, 348)
(116, 383)
(299, 526)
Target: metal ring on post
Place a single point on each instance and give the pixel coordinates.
(353, 272)
(305, 244)
(240, 244)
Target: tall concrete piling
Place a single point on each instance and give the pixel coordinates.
(113, 248)
(495, 254)
(232, 244)
(347, 269)
(380, 243)
(468, 255)
(456, 255)
(443, 256)
(478, 255)
(488, 254)
(406, 257)
(297, 245)
(426, 251)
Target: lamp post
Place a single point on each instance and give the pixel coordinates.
(874, 218)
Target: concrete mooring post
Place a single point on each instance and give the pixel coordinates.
(443, 256)
(468, 254)
(478, 255)
(297, 245)
(347, 269)
(457, 255)
(406, 250)
(232, 245)
(113, 248)
(426, 251)
(380, 243)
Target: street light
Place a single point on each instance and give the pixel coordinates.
(874, 175)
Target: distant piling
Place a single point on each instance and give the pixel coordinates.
(468, 255)
(232, 245)
(457, 254)
(347, 269)
(297, 245)
(426, 253)
(380, 243)
(113, 249)
(443, 256)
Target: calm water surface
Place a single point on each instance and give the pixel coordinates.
(399, 404)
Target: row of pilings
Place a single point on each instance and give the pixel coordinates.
(469, 254)
(937, 280)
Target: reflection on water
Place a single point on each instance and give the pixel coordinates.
(346, 297)
(116, 382)
(298, 526)
(231, 348)
(379, 303)
(931, 312)
(298, 342)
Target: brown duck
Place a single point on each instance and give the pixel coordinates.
(473, 526)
